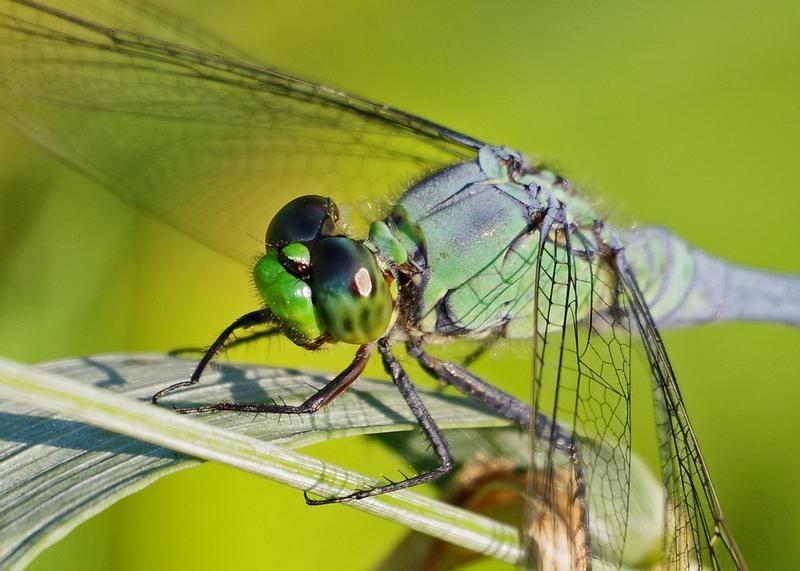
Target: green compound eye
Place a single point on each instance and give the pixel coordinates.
(350, 293)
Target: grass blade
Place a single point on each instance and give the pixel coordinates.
(104, 443)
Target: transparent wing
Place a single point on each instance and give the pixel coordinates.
(580, 475)
(589, 312)
(696, 535)
(132, 96)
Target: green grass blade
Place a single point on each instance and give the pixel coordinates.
(104, 442)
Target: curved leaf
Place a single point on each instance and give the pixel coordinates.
(105, 442)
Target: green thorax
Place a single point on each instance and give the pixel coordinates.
(471, 231)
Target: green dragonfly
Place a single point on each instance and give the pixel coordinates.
(483, 245)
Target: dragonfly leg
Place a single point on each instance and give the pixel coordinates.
(496, 400)
(315, 402)
(234, 342)
(247, 320)
(550, 433)
(472, 386)
(432, 432)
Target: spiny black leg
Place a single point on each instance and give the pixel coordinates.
(494, 399)
(474, 387)
(235, 342)
(247, 320)
(319, 399)
(432, 432)
(546, 430)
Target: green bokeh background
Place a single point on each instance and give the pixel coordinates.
(684, 114)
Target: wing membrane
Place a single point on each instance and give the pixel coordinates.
(589, 312)
(582, 383)
(210, 144)
(696, 533)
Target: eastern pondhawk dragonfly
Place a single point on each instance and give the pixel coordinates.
(483, 245)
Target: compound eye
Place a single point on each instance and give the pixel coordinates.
(351, 296)
(304, 219)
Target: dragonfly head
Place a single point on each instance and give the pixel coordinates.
(320, 286)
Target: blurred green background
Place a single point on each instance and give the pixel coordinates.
(683, 114)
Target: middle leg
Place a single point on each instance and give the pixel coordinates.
(493, 398)
(472, 386)
(546, 430)
(432, 432)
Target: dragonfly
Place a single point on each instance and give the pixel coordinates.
(483, 245)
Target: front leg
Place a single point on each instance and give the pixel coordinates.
(247, 320)
(235, 342)
(319, 399)
(432, 432)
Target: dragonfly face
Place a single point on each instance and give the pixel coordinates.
(320, 286)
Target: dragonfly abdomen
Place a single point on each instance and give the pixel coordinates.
(684, 286)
